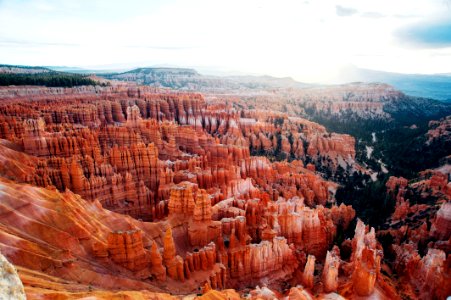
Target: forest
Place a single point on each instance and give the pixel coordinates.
(49, 79)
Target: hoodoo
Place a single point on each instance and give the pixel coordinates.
(132, 191)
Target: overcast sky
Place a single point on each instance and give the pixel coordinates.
(307, 40)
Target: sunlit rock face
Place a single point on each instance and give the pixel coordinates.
(132, 188)
(330, 271)
(439, 130)
(441, 228)
(10, 285)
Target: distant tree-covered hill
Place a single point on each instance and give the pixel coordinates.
(27, 75)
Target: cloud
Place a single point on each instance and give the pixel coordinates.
(27, 43)
(435, 34)
(345, 11)
(440, 54)
(373, 14)
(163, 47)
(100, 32)
(404, 16)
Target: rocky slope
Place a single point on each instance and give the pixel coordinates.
(417, 236)
(161, 194)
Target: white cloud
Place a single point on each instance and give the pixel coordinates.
(306, 40)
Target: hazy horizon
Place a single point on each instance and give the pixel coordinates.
(308, 41)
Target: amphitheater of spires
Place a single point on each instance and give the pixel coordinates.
(152, 192)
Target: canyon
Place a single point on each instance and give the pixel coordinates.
(358, 109)
(136, 192)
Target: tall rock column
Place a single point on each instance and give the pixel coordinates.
(366, 260)
(77, 177)
(157, 269)
(181, 200)
(34, 140)
(173, 262)
(202, 208)
(202, 229)
(133, 116)
(330, 271)
(365, 272)
(126, 249)
(307, 276)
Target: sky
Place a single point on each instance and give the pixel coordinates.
(309, 40)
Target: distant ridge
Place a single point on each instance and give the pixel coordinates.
(435, 86)
(18, 69)
(68, 69)
(190, 80)
(148, 70)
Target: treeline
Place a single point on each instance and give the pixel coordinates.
(49, 79)
(369, 199)
(401, 147)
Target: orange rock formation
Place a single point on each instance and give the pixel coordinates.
(131, 188)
